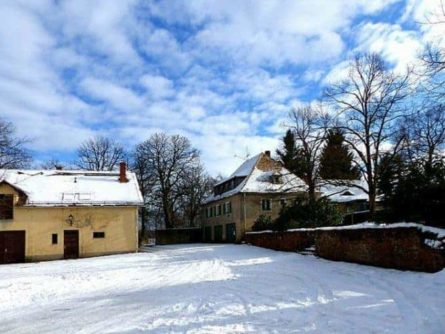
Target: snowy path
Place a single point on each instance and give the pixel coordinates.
(217, 289)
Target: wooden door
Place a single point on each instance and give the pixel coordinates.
(70, 244)
(12, 247)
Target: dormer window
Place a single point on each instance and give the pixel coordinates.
(6, 206)
(347, 193)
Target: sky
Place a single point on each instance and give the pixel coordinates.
(223, 73)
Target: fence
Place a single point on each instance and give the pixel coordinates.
(178, 236)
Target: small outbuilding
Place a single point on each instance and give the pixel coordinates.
(57, 214)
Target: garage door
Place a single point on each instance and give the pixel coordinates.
(218, 233)
(12, 247)
(208, 234)
(230, 233)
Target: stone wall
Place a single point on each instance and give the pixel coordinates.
(178, 236)
(399, 248)
(284, 241)
(405, 248)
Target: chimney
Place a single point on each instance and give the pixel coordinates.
(123, 172)
(267, 153)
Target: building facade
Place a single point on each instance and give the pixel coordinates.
(260, 186)
(48, 215)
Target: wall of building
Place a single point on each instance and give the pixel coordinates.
(118, 223)
(235, 216)
(246, 208)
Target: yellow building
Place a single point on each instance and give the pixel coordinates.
(260, 186)
(46, 215)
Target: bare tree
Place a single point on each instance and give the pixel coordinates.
(147, 181)
(425, 132)
(433, 57)
(196, 186)
(366, 106)
(53, 164)
(309, 133)
(167, 159)
(100, 154)
(12, 151)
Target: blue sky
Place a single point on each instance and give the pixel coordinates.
(223, 73)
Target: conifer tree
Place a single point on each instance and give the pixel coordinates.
(336, 159)
(288, 153)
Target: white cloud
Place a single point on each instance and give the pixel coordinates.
(224, 73)
(400, 47)
(157, 86)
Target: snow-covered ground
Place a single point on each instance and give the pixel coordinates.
(217, 289)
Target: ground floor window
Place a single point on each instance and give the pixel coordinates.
(98, 235)
(55, 239)
(266, 204)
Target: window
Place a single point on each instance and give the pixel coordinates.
(266, 204)
(282, 202)
(98, 235)
(229, 207)
(214, 211)
(219, 210)
(54, 239)
(6, 206)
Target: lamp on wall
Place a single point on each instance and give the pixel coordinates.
(70, 220)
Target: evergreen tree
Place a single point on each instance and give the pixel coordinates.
(336, 159)
(289, 152)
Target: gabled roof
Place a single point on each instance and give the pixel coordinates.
(81, 188)
(258, 179)
(244, 169)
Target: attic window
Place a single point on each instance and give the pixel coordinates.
(68, 197)
(73, 197)
(85, 197)
(6, 206)
(347, 193)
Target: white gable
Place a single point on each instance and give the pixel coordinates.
(50, 188)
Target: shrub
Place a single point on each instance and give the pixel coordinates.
(262, 223)
(308, 214)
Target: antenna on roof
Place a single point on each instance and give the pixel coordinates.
(245, 156)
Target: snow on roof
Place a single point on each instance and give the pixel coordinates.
(243, 170)
(83, 188)
(260, 181)
(345, 193)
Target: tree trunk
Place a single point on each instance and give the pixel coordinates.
(372, 196)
